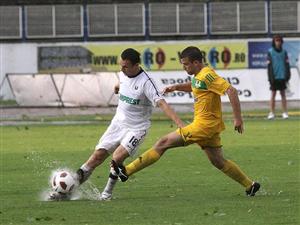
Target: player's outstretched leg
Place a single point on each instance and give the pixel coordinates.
(96, 159)
(146, 159)
(152, 155)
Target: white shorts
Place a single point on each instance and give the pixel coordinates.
(115, 135)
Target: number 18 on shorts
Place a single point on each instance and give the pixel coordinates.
(116, 135)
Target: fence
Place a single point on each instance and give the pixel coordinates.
(66, 90)
(149, 20)
(73, 90)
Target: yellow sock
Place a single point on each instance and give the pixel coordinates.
(146, 159)
(233, 171)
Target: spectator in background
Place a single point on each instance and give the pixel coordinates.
(278, 75)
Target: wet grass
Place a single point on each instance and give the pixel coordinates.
(182, 188)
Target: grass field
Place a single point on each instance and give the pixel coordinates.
(181, 189)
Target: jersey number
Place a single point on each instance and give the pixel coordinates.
(134, 141)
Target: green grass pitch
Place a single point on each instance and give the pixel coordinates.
(180, 189)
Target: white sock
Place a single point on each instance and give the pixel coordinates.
(111, 182)
(87, 171)
(85, 168)
(110, 185)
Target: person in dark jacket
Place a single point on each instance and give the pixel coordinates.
(278, 75)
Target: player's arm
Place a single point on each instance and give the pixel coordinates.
(170, 112)
(186, 87)
(236, 107)
(287, 68)
(270, 68)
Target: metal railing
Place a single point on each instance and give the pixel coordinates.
(54, 21)
(177, 18)
(116, 20)
(238, 17)
(149, 20)
(10, 22)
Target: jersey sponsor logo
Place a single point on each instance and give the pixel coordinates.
(129, 100)
(199, 84)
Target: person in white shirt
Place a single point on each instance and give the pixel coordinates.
(137, 96)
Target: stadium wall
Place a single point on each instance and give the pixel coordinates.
(242, 62)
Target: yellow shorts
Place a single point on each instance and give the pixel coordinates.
(192, 134)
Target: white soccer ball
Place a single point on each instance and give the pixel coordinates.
(63, 182)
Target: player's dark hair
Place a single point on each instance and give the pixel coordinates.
(192, 53)
(277, 37)
(132, 55)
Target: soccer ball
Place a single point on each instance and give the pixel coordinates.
(63, 182)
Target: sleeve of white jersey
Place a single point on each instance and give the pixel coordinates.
(152, 92)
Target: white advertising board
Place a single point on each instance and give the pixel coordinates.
(251, 84)
(98, 89)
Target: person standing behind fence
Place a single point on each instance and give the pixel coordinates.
(278, 75)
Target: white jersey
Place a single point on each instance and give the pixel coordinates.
(137, 96)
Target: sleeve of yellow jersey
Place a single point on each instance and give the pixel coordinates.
(216, 83)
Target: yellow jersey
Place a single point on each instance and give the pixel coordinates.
(207, 88)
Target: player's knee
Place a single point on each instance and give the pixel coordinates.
(162, 145)
(98, 155)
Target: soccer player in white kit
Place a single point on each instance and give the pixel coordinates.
(137, 95)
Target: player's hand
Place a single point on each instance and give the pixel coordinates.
(169, 89)
(238, 126)
(116, 89)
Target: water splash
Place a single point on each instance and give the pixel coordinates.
(87, 191)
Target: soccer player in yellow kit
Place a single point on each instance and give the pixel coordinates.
(207, 87)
